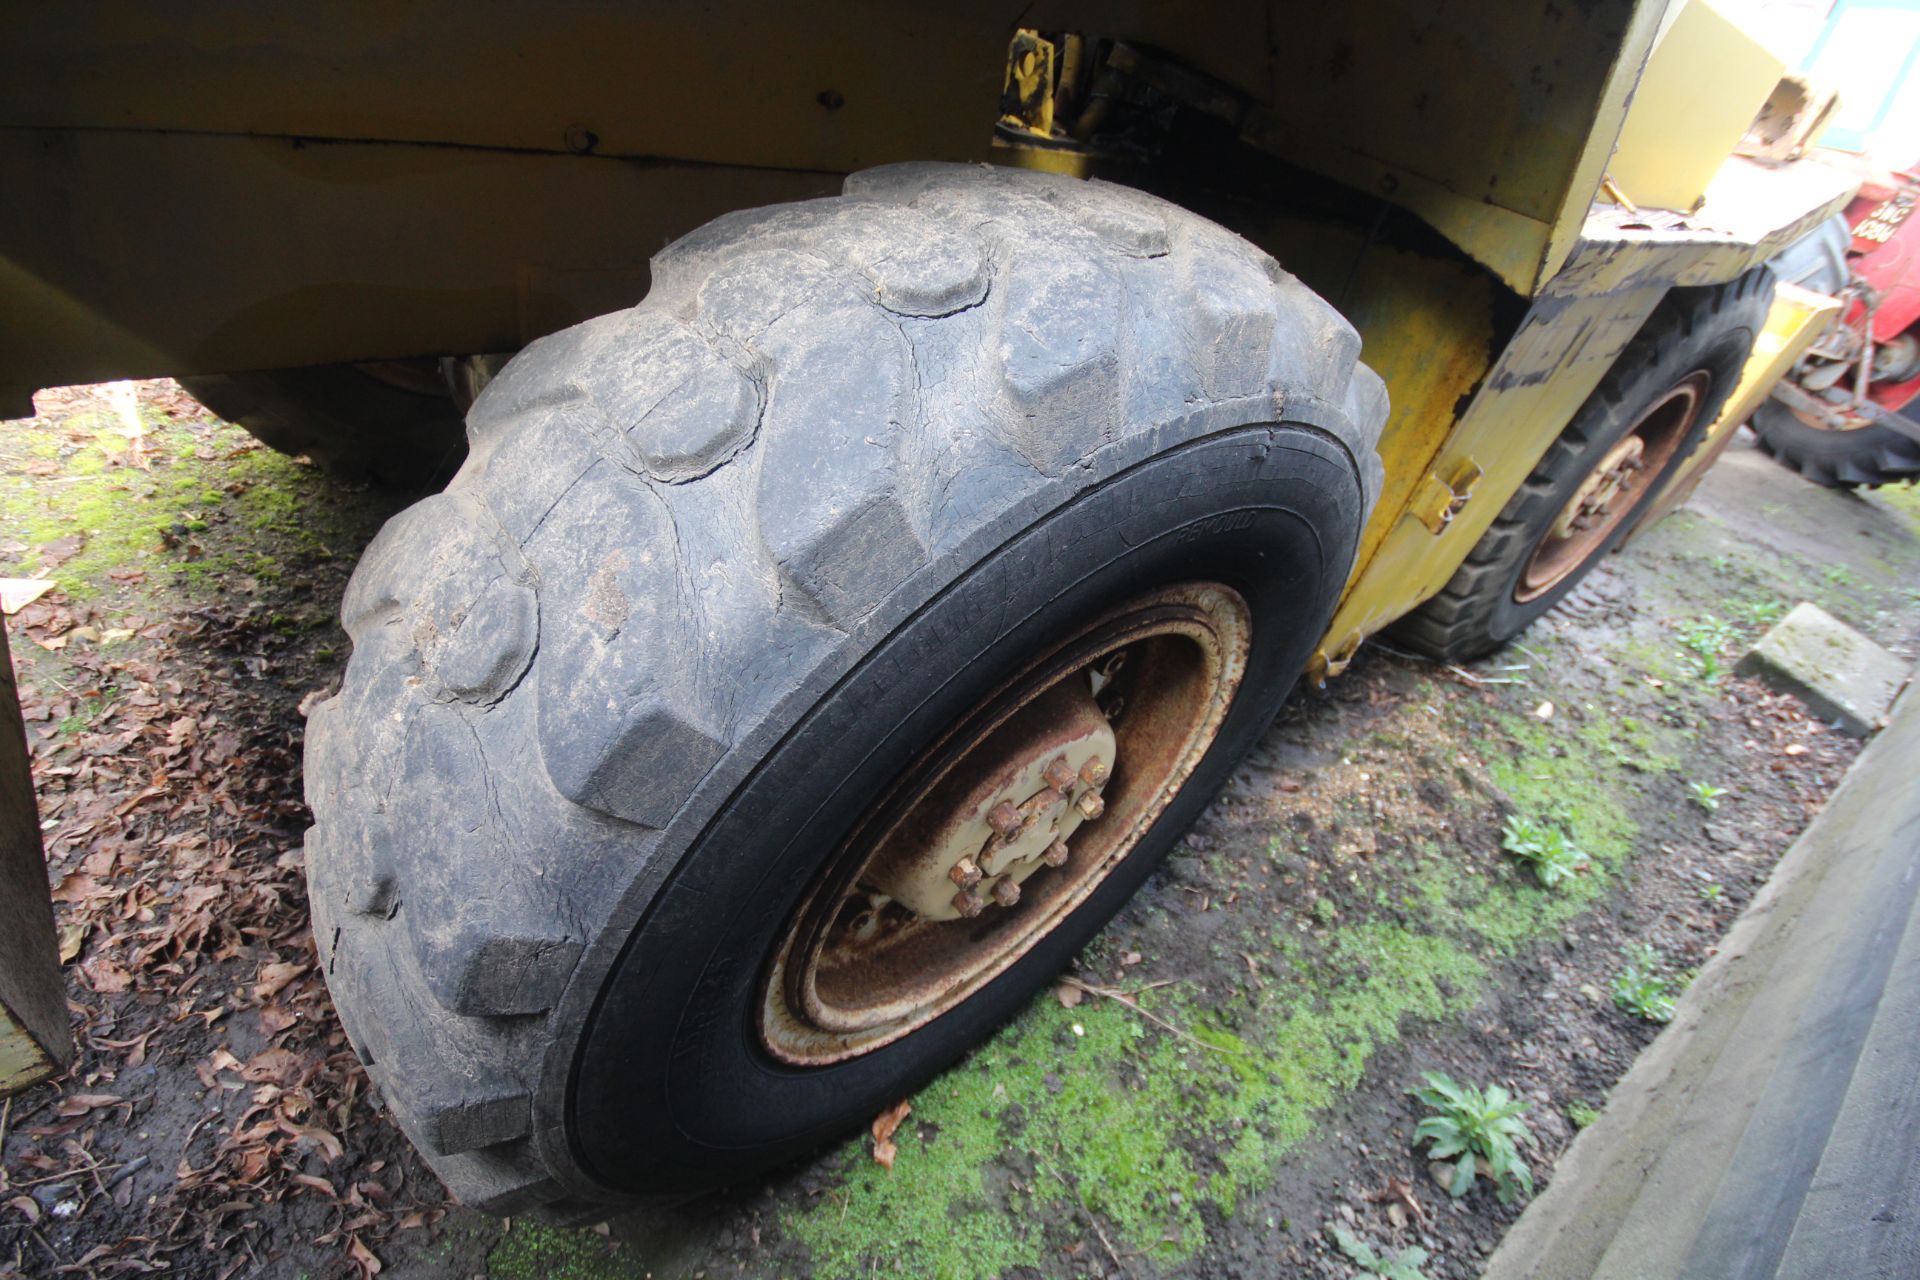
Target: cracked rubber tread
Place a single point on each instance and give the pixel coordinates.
(678, 524)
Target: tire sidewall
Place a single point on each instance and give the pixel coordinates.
(670, 1089)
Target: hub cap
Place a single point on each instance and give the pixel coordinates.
(1006, 824)
(1613, 488)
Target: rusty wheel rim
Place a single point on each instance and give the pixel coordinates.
(1613, 489)
(991, 838)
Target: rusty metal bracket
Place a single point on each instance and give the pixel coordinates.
(1325, 664)
(1436, 502)
(1837, 417)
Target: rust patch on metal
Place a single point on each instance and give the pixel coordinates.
(1024, 806)
(1614, 488)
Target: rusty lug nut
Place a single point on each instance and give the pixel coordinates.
(1004, 818)
(1059, 774)
(1006, 893)
(1091, 805)
(1056, 854)
(965, 873)
(1094, 772)
(1046, 799)
(968, 903)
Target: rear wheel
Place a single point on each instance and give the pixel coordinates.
(392, 421)
(808, 662)
(1643, 421)
(1864, 456)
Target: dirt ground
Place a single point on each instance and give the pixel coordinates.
(1223, 1079)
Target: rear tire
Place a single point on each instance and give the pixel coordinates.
(718, 569)
(1499, 591)
(1864, 458)
(358, 422)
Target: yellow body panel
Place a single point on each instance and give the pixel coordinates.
(382, 182)
(1704, 84)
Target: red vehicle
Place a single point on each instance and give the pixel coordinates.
(1847, 415)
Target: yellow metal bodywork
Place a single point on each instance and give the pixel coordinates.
(1684, 124)
(376, 181)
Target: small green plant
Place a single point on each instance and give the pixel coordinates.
(1403, 1264)
(1581, 1114)
(1469, 1126)
(1706, 795)
(1706, 638)
(1707, 635)
(1838, 574)
(1643, 987)
(1712, 890)
(1545, 848)
(1759, 611)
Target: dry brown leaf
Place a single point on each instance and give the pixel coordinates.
(276, 1064)
(275, 976)
(104, 976)
(362, 1257)
(318, 1184)
(78, 1104)
(884, 1126)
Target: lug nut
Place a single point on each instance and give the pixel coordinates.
(1059, 774)
(1004, 819)
(1094, 772)
(1006, 893)
(965, 873)
(968, 903)
(1046, 799)
(1056, 854)
(1091, 805)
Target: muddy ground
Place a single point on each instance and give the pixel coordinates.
(1225, 1078)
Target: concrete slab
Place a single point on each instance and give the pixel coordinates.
(1839, 673)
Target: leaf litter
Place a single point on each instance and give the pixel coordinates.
(203, 1127)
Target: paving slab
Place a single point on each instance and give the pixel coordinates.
(1840, 674)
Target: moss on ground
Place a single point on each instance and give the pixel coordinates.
(528, 1251)
(156, 512)
(1113, 1114)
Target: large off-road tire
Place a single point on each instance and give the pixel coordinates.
(1863, 458)
(1650, 413)
(386, 422)
(718, 571)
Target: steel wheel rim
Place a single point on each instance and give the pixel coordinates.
(1614, 488)
(851, 974)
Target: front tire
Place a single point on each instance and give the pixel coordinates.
(721, 570)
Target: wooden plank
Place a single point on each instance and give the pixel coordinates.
(35, 1041)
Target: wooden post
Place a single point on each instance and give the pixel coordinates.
(35, 1041)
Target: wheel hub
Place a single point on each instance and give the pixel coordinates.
(986, 830)
(1005, 825)
(1612, 489)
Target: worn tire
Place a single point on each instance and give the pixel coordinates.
(1865, 458)
(712, 565)
(1708, 328)
(345, 419)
